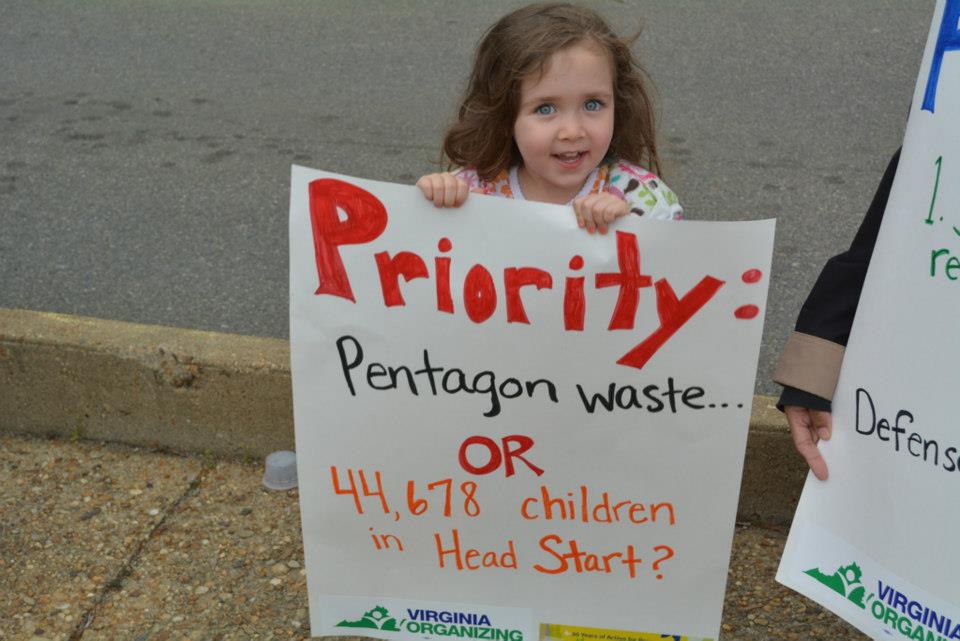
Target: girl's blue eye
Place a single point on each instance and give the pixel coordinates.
(545, 109)
(593, 105)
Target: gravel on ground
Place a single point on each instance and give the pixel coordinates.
(104, 542)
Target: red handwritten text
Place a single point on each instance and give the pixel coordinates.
(366, 218)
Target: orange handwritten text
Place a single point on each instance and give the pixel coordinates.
(580, 506)
(444, 496)
(571, 558)
(473, 559)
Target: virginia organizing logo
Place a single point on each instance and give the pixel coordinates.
(846, 582)
(895, 609)
(376, 619)
(439, 623)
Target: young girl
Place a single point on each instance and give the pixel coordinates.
(556, 111)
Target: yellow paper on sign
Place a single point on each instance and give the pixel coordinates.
(550, 631)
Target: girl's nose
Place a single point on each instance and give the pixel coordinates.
(571, 128)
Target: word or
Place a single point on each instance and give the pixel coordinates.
(366, 219)
(897, 602)
(867, 424)
(452, 381)
(627, 397)
(473, 559)
(947, 40)
(522, 443)
(548, 507)
(466, 500)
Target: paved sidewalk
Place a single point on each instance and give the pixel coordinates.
(105, 542)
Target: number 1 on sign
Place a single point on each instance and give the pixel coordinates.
(936, 185)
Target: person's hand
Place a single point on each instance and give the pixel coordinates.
(808, 427)
(444, 189)
(596, 211)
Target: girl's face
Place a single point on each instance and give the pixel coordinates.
(565, 122)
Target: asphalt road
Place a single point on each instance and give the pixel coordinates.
(145, 148)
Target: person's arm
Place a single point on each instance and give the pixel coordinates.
(800, 398)
(810, 363)
(645, 193)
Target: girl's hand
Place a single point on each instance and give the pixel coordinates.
(444, 189)
(596, 211)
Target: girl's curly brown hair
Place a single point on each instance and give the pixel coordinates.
(519, 44)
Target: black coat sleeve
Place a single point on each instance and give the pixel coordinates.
(831, 305)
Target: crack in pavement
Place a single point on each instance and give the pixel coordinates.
(116, 583)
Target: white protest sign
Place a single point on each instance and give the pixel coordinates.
(878, 542)
(479, 453)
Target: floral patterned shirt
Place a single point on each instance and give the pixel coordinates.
(642, 189)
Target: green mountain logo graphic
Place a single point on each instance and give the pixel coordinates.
(376, 619)
(846, 582)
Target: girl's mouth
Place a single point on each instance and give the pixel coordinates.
(570, 160)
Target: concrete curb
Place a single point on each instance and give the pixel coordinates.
(144, 385)
(230, 395)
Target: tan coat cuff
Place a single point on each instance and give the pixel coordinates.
(811, 364)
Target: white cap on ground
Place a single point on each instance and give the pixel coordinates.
(280, 471)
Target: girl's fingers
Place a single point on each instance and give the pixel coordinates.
(463, 189)
(444, 189)
(596, 211)
(445, 194)
(432, 188)
(603, 218)
(578, 212)
(449, 190)
(438, 191)
(615, 209)
(586, 212)
(426, 187)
